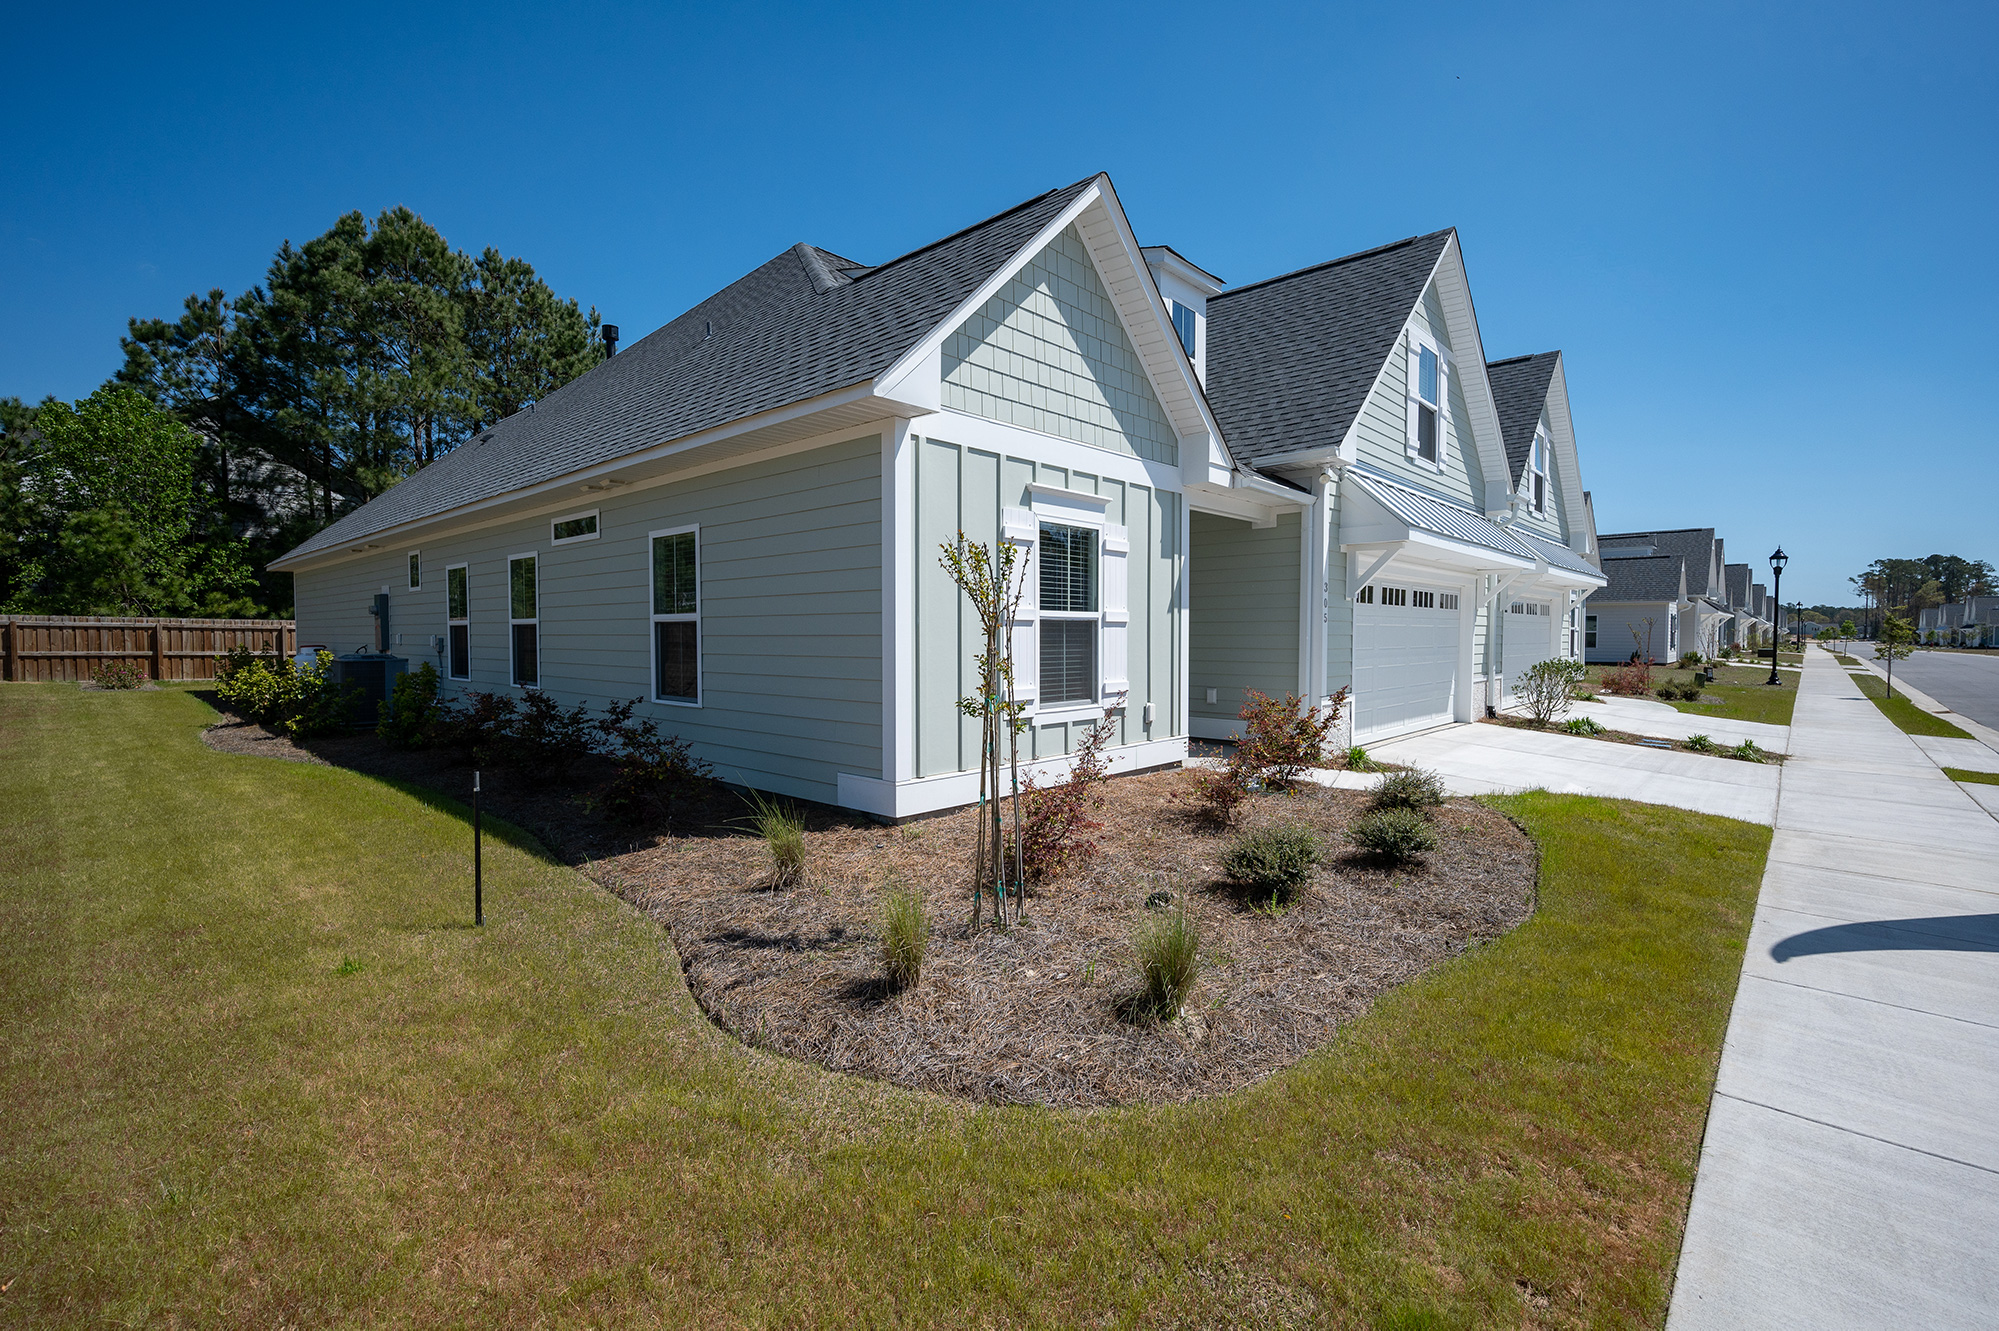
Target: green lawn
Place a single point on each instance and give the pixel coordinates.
(1976, 778)
(1743, 693)
(1912, 719)
(260, 1072)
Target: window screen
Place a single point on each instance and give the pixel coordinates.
(527, 655)
(461, 651)
(1068, 661)
(677, 659)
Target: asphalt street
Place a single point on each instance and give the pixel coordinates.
(1965, 682)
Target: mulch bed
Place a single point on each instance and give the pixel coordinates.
(1035, 1013)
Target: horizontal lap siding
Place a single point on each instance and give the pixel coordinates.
(790, 612)
(1552, 524)
(1243, 631)
(964, 489)
(1621, 630)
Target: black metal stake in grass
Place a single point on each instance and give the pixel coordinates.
(478, 875)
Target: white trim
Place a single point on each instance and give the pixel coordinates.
(654, 619)
(899, 575)
(513, 666)
(976, 432)
(596, 527)
(1578, 519)
(1065, 498)
(449, 622)
(904, 799)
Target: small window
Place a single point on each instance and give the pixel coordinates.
(1429, 400)
(1538, 474)
(1068, 614)
(576, 527)
(524, 618)
(458, 632)
(416, 570)
(1447, 600)
(1424, 600)
(676, 616)
(1183, 324)
(1395, 596)
(1366, 596)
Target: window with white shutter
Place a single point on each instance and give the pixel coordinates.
(1018, 526)
(1068, 614)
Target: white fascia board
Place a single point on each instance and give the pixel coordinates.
(1454, 294)
(1227, 503)
(1274, 493)
(1200, 279)
(472, 516)
(1417, 543)
(1561, 427)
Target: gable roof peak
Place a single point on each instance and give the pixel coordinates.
(1356, 257)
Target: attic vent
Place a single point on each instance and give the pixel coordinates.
(707, 329)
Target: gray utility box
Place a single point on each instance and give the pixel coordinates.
(375, 676)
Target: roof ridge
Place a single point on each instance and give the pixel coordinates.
(967, 230)
(1404, 243)
(1525, 355)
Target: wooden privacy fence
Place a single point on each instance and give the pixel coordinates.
(74, 646)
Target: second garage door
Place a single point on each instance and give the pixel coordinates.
(1405, 659)
(1529, 638)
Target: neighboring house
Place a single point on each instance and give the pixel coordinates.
(1704, 610)
(1972, 622)
(1639, 613)
(1745, 628)
(1403, 537)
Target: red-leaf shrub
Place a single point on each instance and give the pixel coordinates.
(1055, 821)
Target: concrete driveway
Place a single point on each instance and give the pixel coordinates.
(1482, 759)
(1961, 681)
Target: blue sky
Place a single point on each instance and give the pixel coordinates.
(1763, 237)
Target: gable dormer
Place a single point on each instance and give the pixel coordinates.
(1185, 288)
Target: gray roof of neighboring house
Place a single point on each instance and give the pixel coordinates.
(1291, 359)
(1693, 544)
(1736, 578)
(1520, 390)
(1643, 578)
(805, 323)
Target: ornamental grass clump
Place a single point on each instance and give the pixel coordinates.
(1272, 863)
(1412, 789)
(905, 936)
(1701, 744)
(1582, 725)
(1358, 761)
(1168, 950)
(1747, 752)
(1394, 835)
(783, 830)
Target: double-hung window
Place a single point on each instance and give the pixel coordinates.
(523, 613)
(1427, 376)
(1069, 615)
(1184, 325)
(1538, 468)
(1589, 630)
(676, 616)
(458, 629)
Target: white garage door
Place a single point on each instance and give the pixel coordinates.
(1405, 659)
(1529, 629)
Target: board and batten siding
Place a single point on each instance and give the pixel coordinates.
(1382, 431)
(1243, 611)
(1049, 353)
(960, 488)
(791, 600)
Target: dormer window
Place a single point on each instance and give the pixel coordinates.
(1427, 385)
(1537, 492)
(1183, 324)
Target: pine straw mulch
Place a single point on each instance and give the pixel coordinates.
(1036, 1013)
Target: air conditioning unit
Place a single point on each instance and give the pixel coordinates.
(375, 676)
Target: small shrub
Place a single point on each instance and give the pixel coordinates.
(1283, 738)
(1701, 744)
(475, 727)
(1747, 752)
(1668, 691)
(655, 771)
(1584, 695)
(406, 714)
(544, 739)
(1358, 761)
(1547, 687)
(1272, 863)
(1393, 835)
(1414, 789)
(1168, 948)
(905, 936)
(320, 705)
(1691, 691)
(1223, 791)
(1582, 725)
(1689, 660)
(783, 830)
(119, 675)
(1628, 681)
(1055, 820)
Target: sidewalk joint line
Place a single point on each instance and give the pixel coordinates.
(1856, 1132)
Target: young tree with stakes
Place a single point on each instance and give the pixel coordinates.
(994, 581)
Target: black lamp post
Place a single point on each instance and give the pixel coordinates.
(1777, 562)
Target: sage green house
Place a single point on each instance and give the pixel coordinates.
(738, 519)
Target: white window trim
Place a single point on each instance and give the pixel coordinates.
(416, 570)
(1068, 515)
(592, 535)
(513, 669)
(1446, 368)
(1537, 466)
(652, 634)
(449, 622)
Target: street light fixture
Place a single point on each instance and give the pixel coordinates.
(1777, 562)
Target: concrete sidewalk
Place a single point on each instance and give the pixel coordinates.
(1642, 716)
(1850, 1172)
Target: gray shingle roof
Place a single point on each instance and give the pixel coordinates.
(1695, 545)
(1645, 578)
(1736, 578)
(805, 323)
(1291, 359)
(1520, 390)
